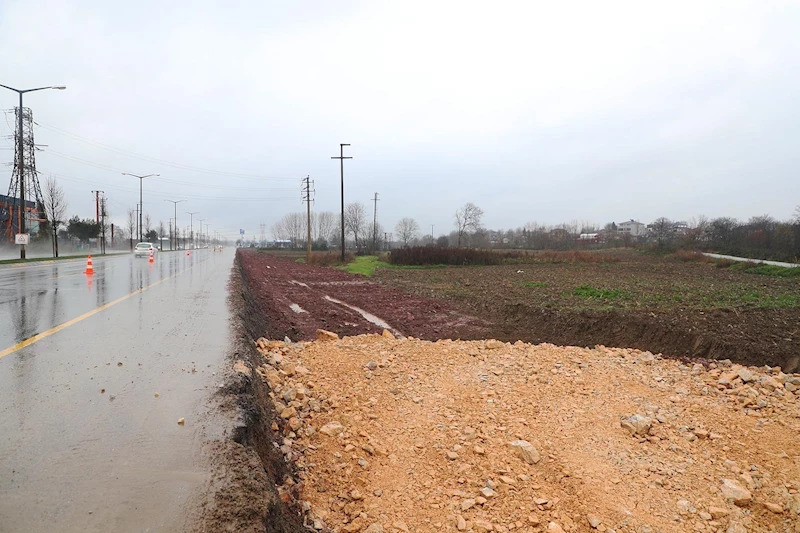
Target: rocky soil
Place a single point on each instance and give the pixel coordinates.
(389, 434)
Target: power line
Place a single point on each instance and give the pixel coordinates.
(163, 194)
(128, 153)
(102, 166)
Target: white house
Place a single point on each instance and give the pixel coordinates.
(632, 228)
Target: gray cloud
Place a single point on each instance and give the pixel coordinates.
(534, 111)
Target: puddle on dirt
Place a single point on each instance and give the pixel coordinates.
(297, 309)
(369, 317)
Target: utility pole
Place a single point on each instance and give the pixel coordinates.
(103, 225)
(97, 205)
(341, 159)
(307, 192)
(97, 219)
(175, 226)
(207, 237)
(385, 240)
(141, 206)
(21, 162)
(200, 240)
(375, 223)
(431, 233)
(191, 225)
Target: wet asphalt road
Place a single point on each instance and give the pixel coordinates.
(73, 458)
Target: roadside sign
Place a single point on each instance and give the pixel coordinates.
(22, 238)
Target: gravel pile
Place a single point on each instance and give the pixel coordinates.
(406, 435)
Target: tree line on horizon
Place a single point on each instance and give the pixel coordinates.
(759, 237)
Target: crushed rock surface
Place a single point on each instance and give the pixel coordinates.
(406, 435)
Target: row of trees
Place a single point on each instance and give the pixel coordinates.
(57, 228)
(360, 230)
(760, 236)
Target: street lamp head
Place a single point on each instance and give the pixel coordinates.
(59, 87)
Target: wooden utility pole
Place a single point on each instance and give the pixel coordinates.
(341, 159)
(307, 192)
(375, 223)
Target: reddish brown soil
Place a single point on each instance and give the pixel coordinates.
(275, 284)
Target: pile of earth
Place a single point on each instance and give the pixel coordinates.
(394, 434)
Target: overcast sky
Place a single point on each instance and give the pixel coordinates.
(535, 111)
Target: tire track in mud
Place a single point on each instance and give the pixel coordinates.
(299, 299)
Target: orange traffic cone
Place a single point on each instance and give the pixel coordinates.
(151, 255)
(89, 267)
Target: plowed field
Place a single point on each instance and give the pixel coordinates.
(670, 307)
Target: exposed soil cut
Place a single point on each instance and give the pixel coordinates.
(295, 300)
(678, 309)
(407, 435)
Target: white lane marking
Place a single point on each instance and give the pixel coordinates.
(369, 317)
(297, 309)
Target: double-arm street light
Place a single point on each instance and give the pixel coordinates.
(200, 220)
(175, 203)
(141, 207)
(20, 152)
(191, 225)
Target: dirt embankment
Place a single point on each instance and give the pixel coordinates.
(247, 468)
(278, 298)
(398, 435)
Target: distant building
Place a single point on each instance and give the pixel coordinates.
(632, 228)
(680, 228)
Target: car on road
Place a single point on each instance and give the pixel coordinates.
(143, 249)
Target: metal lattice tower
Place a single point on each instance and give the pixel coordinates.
(10, 207)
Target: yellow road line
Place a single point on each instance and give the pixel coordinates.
(68, 323)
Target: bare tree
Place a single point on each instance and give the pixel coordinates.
(468, 218)
(148, 224)
(296, 225)
(55, 208)
(292, 227)
(407, 230)
(326, 226)
(131, 224)
(663, 230)
(797, 215)
(355, 221)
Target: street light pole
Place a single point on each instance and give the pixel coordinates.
(141, 206)
(341, 159)
(175, 204)
(20, 153)
(191, 224)
(201, 229)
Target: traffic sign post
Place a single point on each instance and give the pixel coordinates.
(22, 238)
